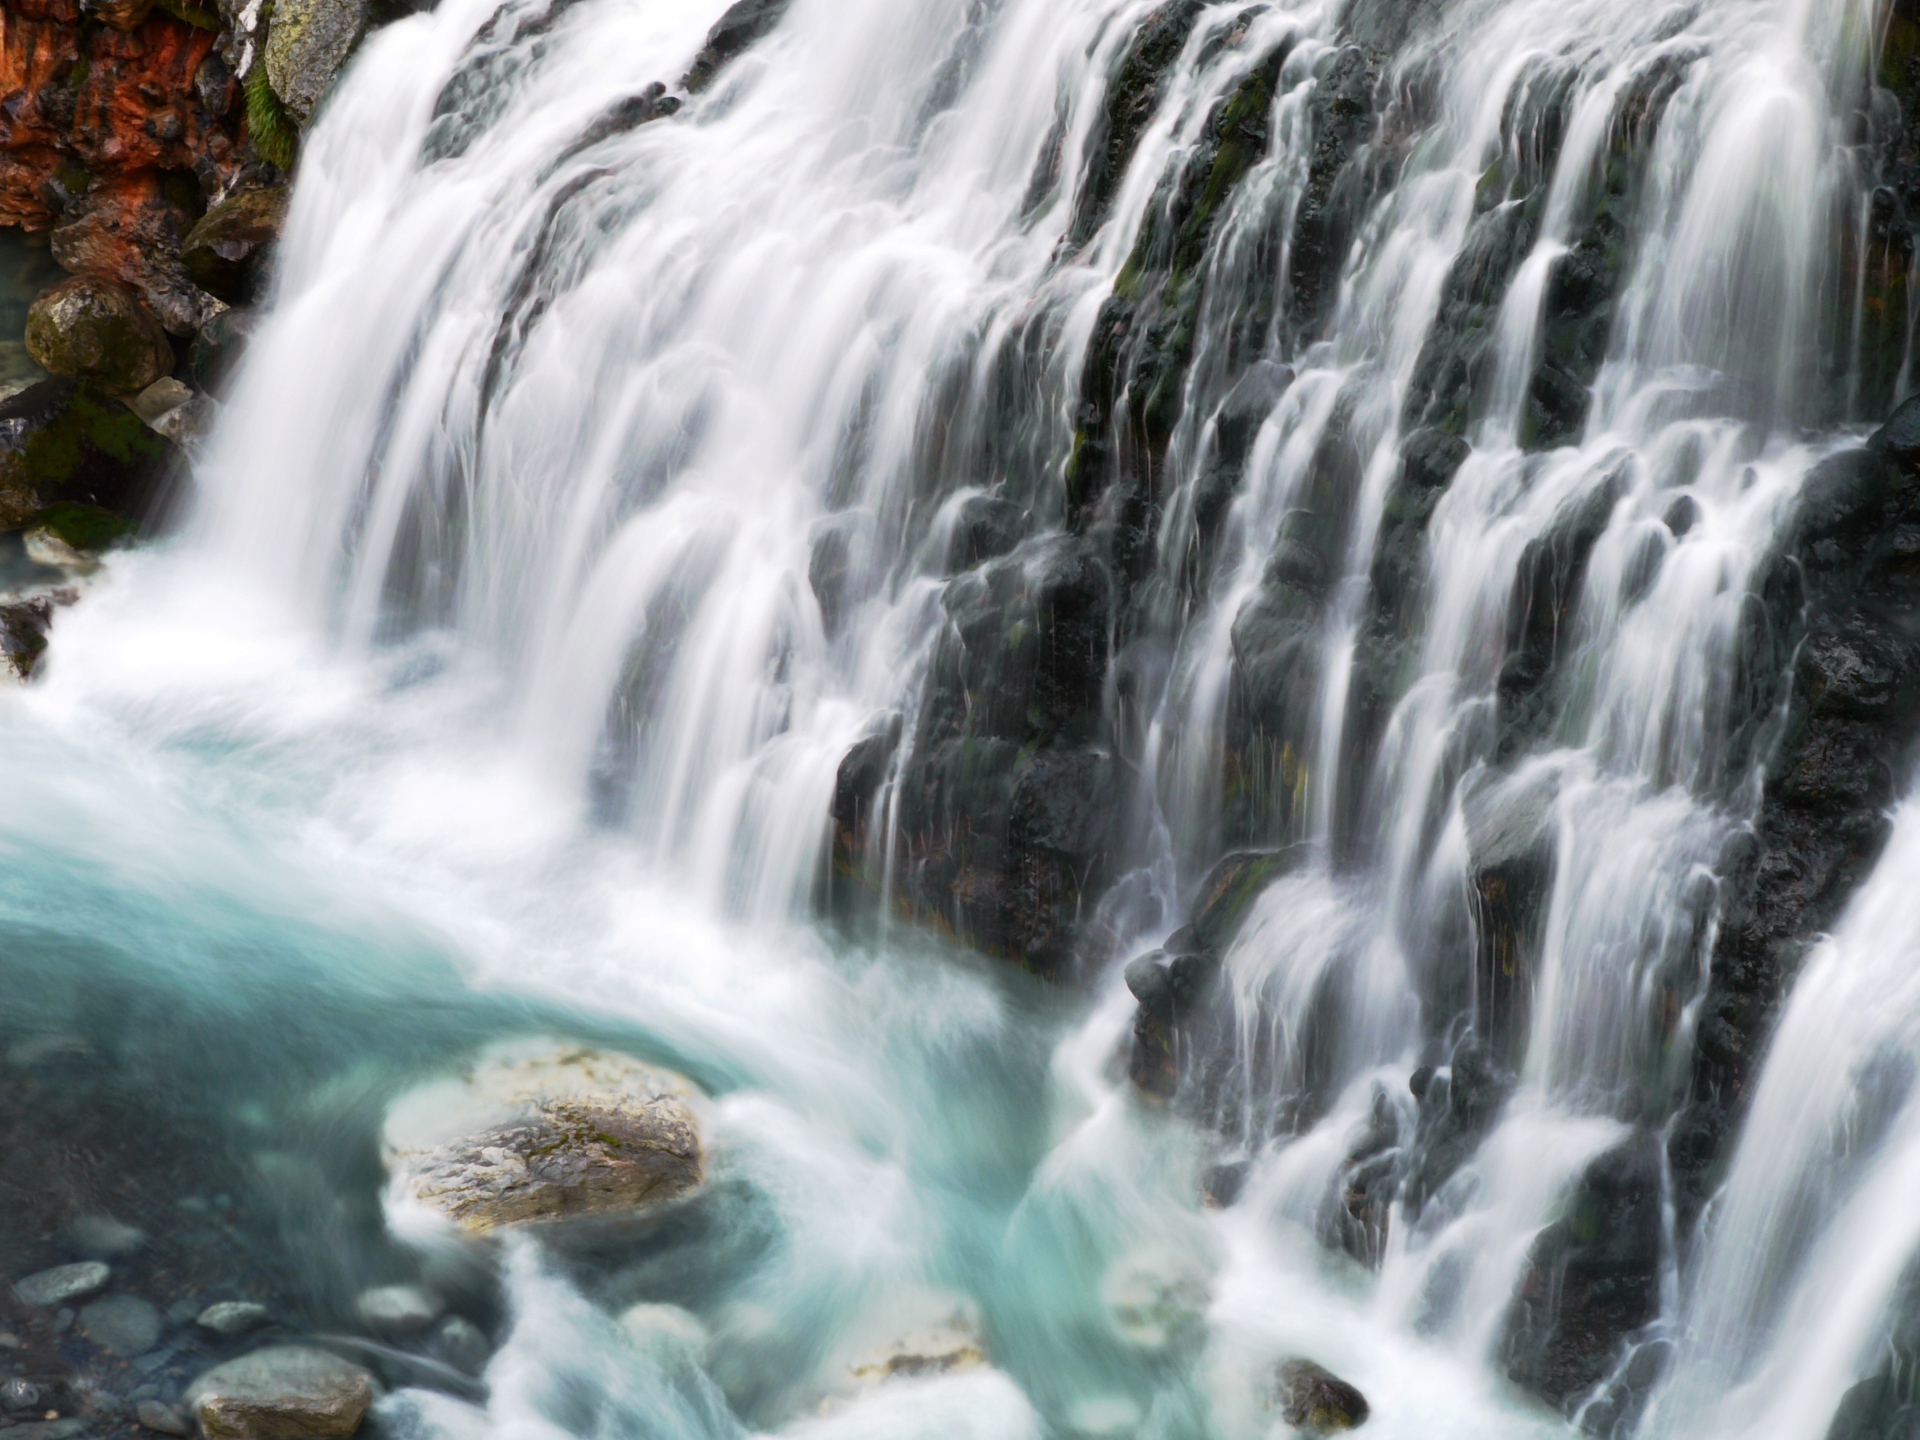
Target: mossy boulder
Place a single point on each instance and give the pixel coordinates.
(96, 329)
(308, 43)
(78, 461)
(223, 253)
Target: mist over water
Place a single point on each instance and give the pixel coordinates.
(604, 474)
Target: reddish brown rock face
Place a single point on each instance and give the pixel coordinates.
(114, 136)
(129, 228)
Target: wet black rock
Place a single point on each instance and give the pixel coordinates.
(225, 252)
(1183, 1012)
(23, 635)
(1592, 1277)
(63, 442)
(1133, 95)
(63, 1283)
(1830, 677)
(744, 25)
(1314, 1400)
(1008, 802)
(216, 349)
(1899, 438)
(122, 1325)
(1552, 570)
(986, 527)
(1458, 1105)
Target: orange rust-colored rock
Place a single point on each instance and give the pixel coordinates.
(114, 138)
(129, 228)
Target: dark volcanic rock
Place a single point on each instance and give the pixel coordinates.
(1592, 1276)
(1315, 1401)
(223, 252)
(744, 25)
(1836, 626)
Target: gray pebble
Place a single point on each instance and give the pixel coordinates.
(101, 1237)
(398, 1309)
(62, 1321)
(67, 1429)
(121, 1325)
(64, 1283)
(19, 1395)
(163, 1418)
(233, 1317)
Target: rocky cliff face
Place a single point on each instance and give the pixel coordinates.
(1002, 811)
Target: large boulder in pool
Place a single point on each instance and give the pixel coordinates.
(289, 1392)
(93, 328)
(545, 1132)
(1314, 1400)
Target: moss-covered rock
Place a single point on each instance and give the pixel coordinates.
(308, 43)
(69, 452)
(94, 329)
(223, 253)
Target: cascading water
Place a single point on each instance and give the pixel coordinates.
(974, 466)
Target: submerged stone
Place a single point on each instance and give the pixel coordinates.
(291, 1392)
(232, 1317)
(541, 1133)
(458, 1342)
(398, 1309)
(162, 1419)
(744, 24)
(122, 1325)
(101, 1237)
(63, 1283)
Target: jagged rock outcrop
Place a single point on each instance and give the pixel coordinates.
(1841, 619)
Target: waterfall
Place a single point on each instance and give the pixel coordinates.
(1044, 475)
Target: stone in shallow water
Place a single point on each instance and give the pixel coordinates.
(544, 1131)
(232, 1317)
(937, 1350)
(19, 1394)
(101, 1237)
(121, 1325)
(398, 1309)
(163, 1419)
(63, 1283)
(290, 1392)
(460, 1343)
(1315, 1400)
(65, 1429)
